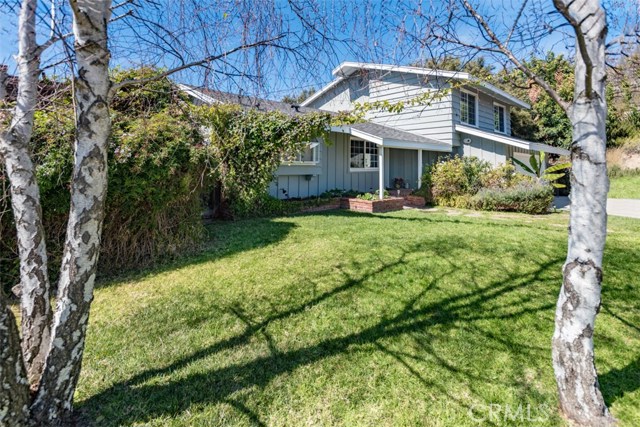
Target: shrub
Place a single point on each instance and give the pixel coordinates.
(452, 180)
(527, 196)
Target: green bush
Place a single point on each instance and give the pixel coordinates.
(452, 180)
(472, 184)
(528, 196)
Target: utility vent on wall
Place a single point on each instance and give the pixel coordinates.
(467, 141)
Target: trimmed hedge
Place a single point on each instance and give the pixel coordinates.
(530, 197)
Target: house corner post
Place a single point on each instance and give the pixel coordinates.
(381, 172)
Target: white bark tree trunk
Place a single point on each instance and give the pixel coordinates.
(14, 386)
(25, 200)
(579, 301)
(54, 400)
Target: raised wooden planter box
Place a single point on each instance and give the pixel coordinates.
(415, 201)
(372, 206)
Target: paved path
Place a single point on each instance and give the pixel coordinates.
(629, 208)
(624, 207)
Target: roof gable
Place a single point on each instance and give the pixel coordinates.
(348, 69)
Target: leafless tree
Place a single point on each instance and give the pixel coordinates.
(39, 372)
(509, 35)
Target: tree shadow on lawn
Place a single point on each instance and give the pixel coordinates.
(135, 400)
(233, 237)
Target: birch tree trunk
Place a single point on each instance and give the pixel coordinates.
(14, 386)
(579, 301)
(54, 400)
(25, 200)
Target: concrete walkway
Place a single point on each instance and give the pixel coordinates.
(624, 207)
(629, 208)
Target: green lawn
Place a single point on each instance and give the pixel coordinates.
(403, 319)
(625, 187)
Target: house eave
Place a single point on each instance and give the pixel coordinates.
(509, 140)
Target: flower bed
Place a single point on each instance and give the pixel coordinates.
(372, 206)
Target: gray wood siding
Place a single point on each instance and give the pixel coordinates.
(433, 120)
(333, 172)
(404, 164)
(494, 152)
(485, 112)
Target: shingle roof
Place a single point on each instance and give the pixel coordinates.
(386, 132)
(249, 102)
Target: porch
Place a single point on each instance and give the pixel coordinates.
(401, 156)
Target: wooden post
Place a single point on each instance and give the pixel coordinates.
(381, 172)
(419, 169)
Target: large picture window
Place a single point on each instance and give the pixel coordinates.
(468, 108)
(364, 155)
(499, 118)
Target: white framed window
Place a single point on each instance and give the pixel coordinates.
(499, 118)
(310, 155)
(363, 156)
(468, 108)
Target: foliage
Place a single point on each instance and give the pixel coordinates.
(247, 146)
(452, 180)
(373, 196)
(552, 174)
(156, 166)
(471, 183)
(527, 196)
(300, 97)
(160, 165)
(546, 121)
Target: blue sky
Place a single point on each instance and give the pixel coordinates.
(375, 31)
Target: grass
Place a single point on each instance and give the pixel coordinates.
(625, 187)
(401, 319)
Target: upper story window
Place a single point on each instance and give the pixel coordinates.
(310, 155)
(364, 155)
(468, 108)
(499, 118)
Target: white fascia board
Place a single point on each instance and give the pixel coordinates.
(409, 145)
(197, 94)
(366, 136)
(503, 139)
(321, 92)
(515, 142)
(538, 146)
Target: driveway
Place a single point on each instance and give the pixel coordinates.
(624, 207)
(629, 208)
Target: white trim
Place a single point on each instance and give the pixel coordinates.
(408, 145)
(476, 109)
(379, 148)
(198, 94)
(358, 134)
(419, 169)
(508, 140)
(322, 91)
(345, 69)
(504, 117)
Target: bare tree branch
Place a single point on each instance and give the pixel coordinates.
(203, 61)
(509, 54)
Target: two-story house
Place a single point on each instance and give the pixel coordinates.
(445, 113)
